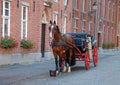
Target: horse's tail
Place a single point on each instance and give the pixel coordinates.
(73, 61)
(70, 56)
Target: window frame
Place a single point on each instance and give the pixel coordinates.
(56, 1)
(55, 16)
(4, 17)
(65, 2)
(83, 5)
(75, 24)
(75, 4)
(24, 21)
(83, 25)
(64, 24)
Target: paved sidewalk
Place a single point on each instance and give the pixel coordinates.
(108, 51)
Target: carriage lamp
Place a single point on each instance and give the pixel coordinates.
(95, 8)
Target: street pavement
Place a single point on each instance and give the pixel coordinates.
(106, 73)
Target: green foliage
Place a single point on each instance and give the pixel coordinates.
(8, 42)
(26, 44)
(49, 3)
(112, 45)
(108, 45)
(104, 45)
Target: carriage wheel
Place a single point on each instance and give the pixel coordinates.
(95, 56)
(87, 61)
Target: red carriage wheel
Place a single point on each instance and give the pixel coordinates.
(87, 61)
(95, 56)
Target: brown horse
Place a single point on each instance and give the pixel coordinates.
(60, 46)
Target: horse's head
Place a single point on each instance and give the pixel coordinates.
(53, 30)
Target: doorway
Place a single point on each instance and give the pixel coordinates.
(43, 40)
(99, 40)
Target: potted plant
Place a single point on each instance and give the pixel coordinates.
(104, 45)
(48, 3)
(8, 42)
(26, 44)
(112, 45)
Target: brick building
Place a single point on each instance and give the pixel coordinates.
(30, 19)
(118, 23)
(97, 17)
(21, 19)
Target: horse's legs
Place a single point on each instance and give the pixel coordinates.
(60, 64)
(70, 57)
(65, 66)
(56, 63)
(69, 67)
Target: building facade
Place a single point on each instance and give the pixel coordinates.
(118, 23)
(29, 19)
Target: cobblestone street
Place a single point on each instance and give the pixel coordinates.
(106, 73)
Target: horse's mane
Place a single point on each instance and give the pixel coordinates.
(58, 30)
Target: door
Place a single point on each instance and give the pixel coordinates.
(43, 40)
(99, 40)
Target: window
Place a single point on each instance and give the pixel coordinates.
(64, 24)
(90, 5)
(6, 18)
(89, 27)
(24, 22)
(55, 16)
(113, 12)
(75, 4)
(55, 0)
(65, 2)
(104, 9)
(83, 25)
(75, 25)
(108, 10)
(83, 5)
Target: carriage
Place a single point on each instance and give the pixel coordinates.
(82, 51)
(71, 47)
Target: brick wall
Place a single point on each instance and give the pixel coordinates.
(35, 22)
(34, 25)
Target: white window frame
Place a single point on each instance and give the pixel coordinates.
(4, 17)
(89, 26)
(75, 4)
(108, 10)
(83, 25)
(104, 9)
(56, 1)
(83, 5)
(24, 20)
(65, 2)
(75, 24)
(64, 24)
(113, 18)
(55, 16)
(90, 5)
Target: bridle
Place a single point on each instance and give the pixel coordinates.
(51, 34)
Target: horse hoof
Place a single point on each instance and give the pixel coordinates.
(64, 70)
(69, 69)
(57, 72)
